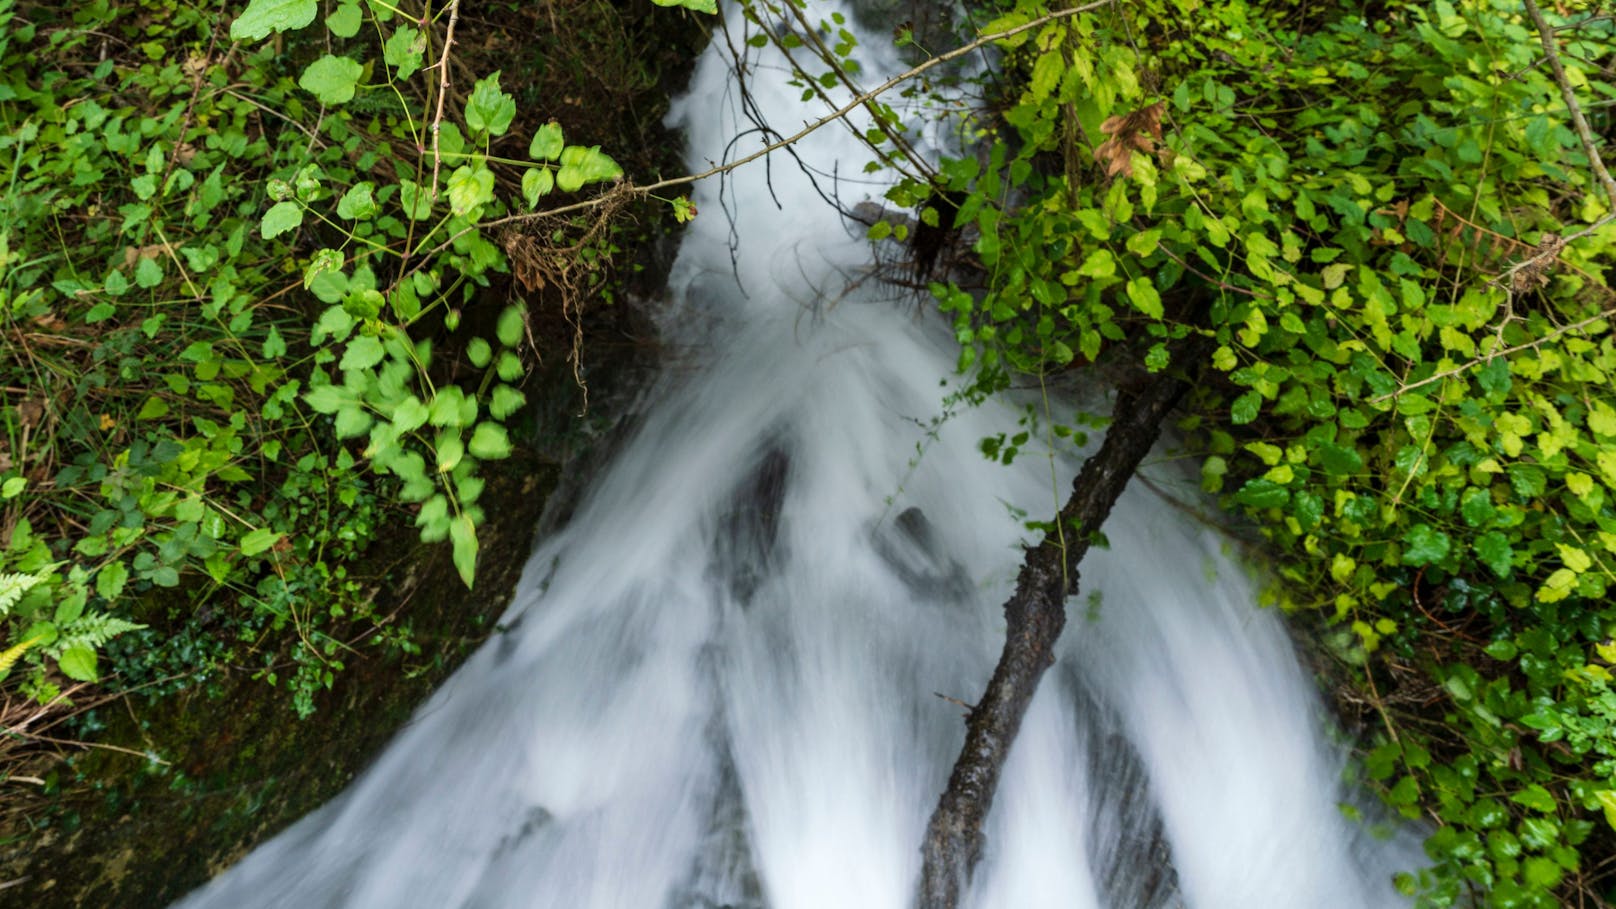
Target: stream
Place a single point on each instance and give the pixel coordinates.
(735, 678)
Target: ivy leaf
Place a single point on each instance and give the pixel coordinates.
(489, 109)
(547, 143)
(264, 16)
(1424, 544)
(1260, 493)
(1245, 408)
(505, 401)
(281, 217)
(580, 165)
(405, 50)
(332, 79)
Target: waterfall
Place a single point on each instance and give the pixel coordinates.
(734, 679)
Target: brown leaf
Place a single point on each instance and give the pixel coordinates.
(1139, 130)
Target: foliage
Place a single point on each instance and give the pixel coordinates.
(1398, 250)
(1422, 423)
(223, 267)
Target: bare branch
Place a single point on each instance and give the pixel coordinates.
(443, 91)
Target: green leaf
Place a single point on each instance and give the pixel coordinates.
(511, 326)
(490, 442)
(323, 261)
(257, 541)
(148, 273)
(1424, 544)
(547, 143)
(701, 6)
(1145, 298)
(1494, 551)
(1260, 493)
(580, 165)
(328, 398)
(470, 187)
(264, 16)
(110, 580)
(332, 79)
(479, 352)
(345, 22)
(505, 401)
(78, 663)
(463, 536)
(363, 352)
(1245, 408)
(1476, 506)
(405, 50)
(1339, 461)
(489, 109)
(281, 217)
(352, 421)
(411, 414)
(1536, 798)
(13, 486)
(416, 199)
(358, 202)
(536, 184)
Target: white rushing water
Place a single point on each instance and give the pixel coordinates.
(720, 682)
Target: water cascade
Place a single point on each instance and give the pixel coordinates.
(719, 684)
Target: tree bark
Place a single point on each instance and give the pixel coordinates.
(1034, 616)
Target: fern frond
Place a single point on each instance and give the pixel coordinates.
(10, 656)
(12, 587)
(92, 630)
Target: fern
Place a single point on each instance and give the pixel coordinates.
(91, 631)
(12, 587)
(10, 656)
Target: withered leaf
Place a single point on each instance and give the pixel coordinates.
(1139, 130)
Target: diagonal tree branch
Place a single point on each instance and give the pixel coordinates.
(1034, 616)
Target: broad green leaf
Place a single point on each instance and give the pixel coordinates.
(1339, 461)
(1494, 551)
(332, 79)
(463, 536)
(479, 352)
(78, 663)
(323, 261)
(490, 442)
(1607, 801)
(345, 22)
(433, 519)
(1144, 296)
(264, 16)
(411, 414)
(1260, 493)
(547, 143)
(328, 399)
(489, 109)
(352, 421)
(1424, 544)
(1245, 408)
(511, 326)
(281, 217)
(536, 184)
(505, 401)
(405, 50)
(110, 580)
(358, 202)
(580, 165)
(257, 541)
(363, 352)
(416, 199)
(700, 6)
(470, 187)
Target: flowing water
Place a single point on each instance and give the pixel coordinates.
(727, 681)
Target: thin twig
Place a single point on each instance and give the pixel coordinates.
(1535, 342)
(1551, 50)
(443, 91)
